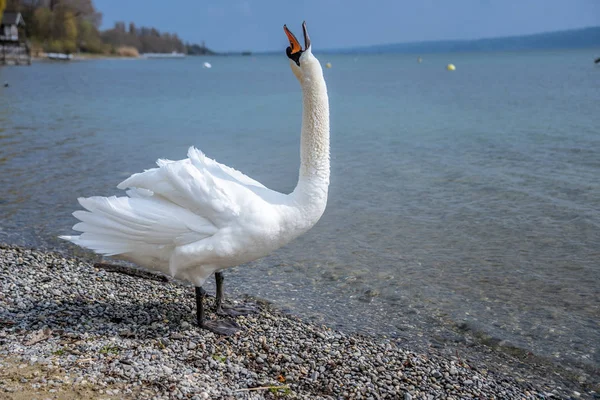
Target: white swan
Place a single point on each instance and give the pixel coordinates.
(195, 217)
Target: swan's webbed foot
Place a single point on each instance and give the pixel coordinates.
(223, 310)
(236, 311)
(221, 326)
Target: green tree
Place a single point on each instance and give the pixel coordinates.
(2, 7)
(64, 29)
(70, 32)
(42, 23)
(120, 26)
(88, 39)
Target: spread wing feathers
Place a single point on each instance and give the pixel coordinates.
(117, 225)
(198, 183)
(221, 170)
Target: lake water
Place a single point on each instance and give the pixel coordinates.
(465, 200)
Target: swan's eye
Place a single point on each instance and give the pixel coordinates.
(293, 56)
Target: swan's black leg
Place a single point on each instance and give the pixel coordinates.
(230, 311)
(222, 327)
(200, 295)
(219, 278)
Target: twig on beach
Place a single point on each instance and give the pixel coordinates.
(131, 272)
(262, 388)
(458, 356)
(39, 336)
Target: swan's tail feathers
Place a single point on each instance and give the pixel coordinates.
(136, 225)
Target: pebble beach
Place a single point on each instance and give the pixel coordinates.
(73, 329)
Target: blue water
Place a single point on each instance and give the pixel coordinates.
(465, 200)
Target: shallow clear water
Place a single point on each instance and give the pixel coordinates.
(467, 198)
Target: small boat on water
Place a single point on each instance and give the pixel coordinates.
(173, 54)
(59, 56)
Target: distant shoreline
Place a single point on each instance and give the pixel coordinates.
(84, 57)
(94, 56)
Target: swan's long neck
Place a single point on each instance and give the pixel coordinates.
(313, 179)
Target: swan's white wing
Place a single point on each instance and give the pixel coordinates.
(141, 223)
(186, 185)
(223, 171)
(178, 203)
(198, 184)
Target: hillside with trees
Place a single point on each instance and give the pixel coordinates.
(145, 40)
(70, 26)
(568, 39)
(148, 40)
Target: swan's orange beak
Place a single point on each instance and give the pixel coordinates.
(294, 44)
(295, 50)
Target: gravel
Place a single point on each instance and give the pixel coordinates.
(69, 329)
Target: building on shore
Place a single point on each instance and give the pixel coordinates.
(14, 49)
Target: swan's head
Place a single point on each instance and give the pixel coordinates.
(303, 63)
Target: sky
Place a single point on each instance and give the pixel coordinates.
(256, 25)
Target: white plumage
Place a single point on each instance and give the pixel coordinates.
(192, 217)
